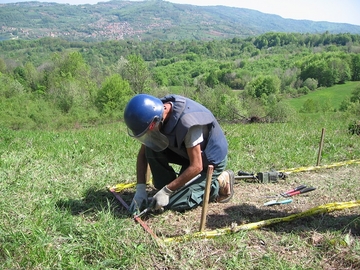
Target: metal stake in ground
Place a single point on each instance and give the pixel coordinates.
(209, 174)
(320, 146)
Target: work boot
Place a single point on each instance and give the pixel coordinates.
(226, 186)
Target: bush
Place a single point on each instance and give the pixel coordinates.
(303, 90)
(355, 94)
(354, 109)
(281, 112)
(354, 128)
(310, 106)
(24, 112)
(10, 87)
(221, 101)
(345, 104)
(310, 83)
(263, 85)
(113, 95)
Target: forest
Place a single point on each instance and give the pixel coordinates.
(52, 83)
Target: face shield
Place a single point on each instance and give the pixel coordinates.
(152, 137)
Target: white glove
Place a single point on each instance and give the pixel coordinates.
(161, 198)
(140, 199)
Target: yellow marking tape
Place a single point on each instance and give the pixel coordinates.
(312, 168)
(326, 208)
(120, 187)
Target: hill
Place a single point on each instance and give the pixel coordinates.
(147, 20)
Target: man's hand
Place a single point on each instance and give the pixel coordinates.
(161, 198)
(140, 199)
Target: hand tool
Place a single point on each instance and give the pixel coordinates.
(298, 190)
(144, 211)
(152, 204)
(262, 177)
(275, 202)
(142, 223)
(295, 191)
(285, 194)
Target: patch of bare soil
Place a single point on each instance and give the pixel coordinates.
(332, 185)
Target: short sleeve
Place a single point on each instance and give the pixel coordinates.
(194, 136)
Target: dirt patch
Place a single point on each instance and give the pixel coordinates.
(247, 206)
(317, 233)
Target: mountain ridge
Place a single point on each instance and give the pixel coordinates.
(148, 20)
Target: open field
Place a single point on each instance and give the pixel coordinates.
(57, 213)
(333, 95)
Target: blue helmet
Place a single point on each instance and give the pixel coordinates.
(143, 115)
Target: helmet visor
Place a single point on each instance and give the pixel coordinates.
(152, 137)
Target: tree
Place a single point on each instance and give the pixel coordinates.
(263, 85)
(310, 83)
(340, 70)
(2, 66)
(212, 80)
(319, 70)
(136, 72)
(355, 94)
(32, 76)
(69, 82)
(355, 67)
(72, 65)
(10, 87)
(113, 95)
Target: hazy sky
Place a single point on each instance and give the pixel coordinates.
(344, 11)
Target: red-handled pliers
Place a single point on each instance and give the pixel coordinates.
(298, 190)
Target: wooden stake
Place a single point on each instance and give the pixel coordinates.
(209, 174)
(320, 146)
(148, 174)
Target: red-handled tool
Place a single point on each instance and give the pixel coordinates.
(301, 191)
(285, 194)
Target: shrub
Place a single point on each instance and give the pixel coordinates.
(281, 112)
(10, 87)
(355, 94)
(345, 104)
(113, 95)
(354, 128)
(310, 106)
(304, 90)
(263, 85)
(310, 83)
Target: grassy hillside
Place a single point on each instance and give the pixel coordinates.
(57, 213)
(333, 95)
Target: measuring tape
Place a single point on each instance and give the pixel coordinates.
(313, 168)
(325, 208)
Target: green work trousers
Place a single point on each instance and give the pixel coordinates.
(163, 173)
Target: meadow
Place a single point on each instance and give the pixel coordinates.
(57, 212)
(333, 95)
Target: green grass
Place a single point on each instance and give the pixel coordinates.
(56, 211)
(333, 95)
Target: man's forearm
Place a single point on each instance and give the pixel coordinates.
(186, 176)
(141, 166)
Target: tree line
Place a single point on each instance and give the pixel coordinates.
(79, 82)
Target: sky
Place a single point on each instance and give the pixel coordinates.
(340, 11)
